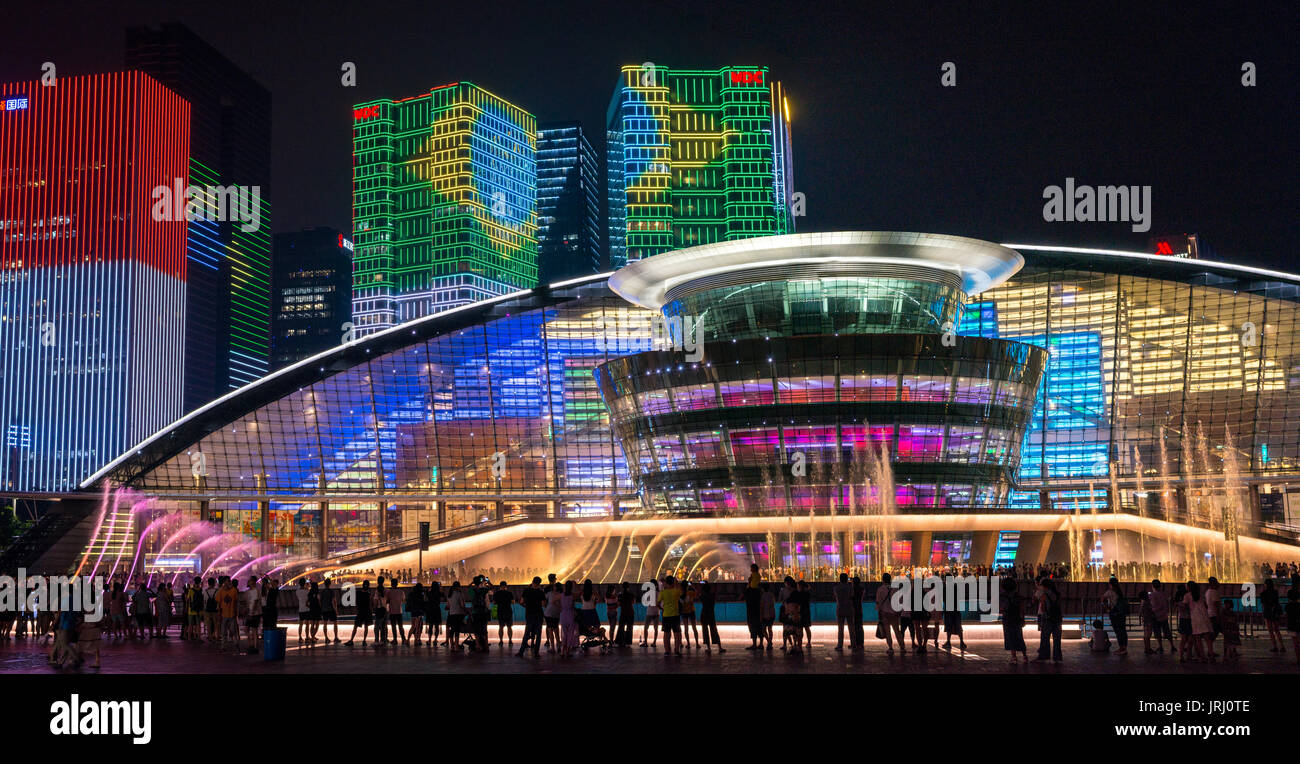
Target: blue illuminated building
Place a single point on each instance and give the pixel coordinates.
(568, 213)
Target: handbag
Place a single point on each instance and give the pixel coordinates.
(880, 630)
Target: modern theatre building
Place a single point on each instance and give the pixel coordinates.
(814, 401)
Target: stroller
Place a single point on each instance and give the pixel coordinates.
(475, 639)
(595, 636)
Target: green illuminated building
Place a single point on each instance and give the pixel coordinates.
(444, 207)
(695, 157)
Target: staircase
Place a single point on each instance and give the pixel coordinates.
(27, 550)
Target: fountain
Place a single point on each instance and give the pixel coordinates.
(1140, 498)
(882, 505)
(1234, 493)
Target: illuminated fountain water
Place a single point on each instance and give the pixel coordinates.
(1140, 498)
(859, 490)
(1090, 536)
(253, 565)
(1167, 503)
(1078, 554)
(1213, 504)
(882, 506)
(1235, 496)
(789, 500)
(720, 555)
(157, 525)
(820, 484)
(1191, 497)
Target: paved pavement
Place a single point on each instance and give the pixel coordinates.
(983, 656)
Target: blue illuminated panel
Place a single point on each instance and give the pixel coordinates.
(979, 319)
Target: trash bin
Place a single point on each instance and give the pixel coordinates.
(273, 642)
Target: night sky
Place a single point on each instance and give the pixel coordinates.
(1105, 94)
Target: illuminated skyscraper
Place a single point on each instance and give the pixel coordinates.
(228, 324)
(444, 203)
(92, 282)
(313, 293)
(568, 204)
(695, 157)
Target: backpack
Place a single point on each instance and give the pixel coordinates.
(1120, 610)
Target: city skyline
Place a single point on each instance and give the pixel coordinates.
(877, 142)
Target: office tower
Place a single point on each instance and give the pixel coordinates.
(444, 206)
(92, 272)
(695, 157)
(313, 293)
(228, 326)
(568, 204)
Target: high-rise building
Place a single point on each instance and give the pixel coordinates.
(444, 203)
(695, 157)
(313, 293)
(92, 272)
(228, 325)
(568, 204)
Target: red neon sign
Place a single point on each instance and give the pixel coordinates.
(1163, 248)
(365, 113)
(747, 78)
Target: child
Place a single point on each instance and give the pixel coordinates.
(792, 626)
(1228, 623)
(1148, 618)
(1100, 639)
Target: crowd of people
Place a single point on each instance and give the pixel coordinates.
(1125, 571)
(1202, 615)
(564, 617)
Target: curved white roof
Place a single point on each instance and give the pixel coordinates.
(979, 264)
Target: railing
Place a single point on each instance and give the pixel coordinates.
(402, 544)
(1250, 619)
(1289, 534)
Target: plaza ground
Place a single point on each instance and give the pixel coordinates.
(984, 656)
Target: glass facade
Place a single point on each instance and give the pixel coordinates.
(93, 286)
(444, 203)
(568, 210)
(312, 303)
(822, 370)
(730, 433)
(695, 157)
(1156, 371)
(820, 306)
(1182, 370)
